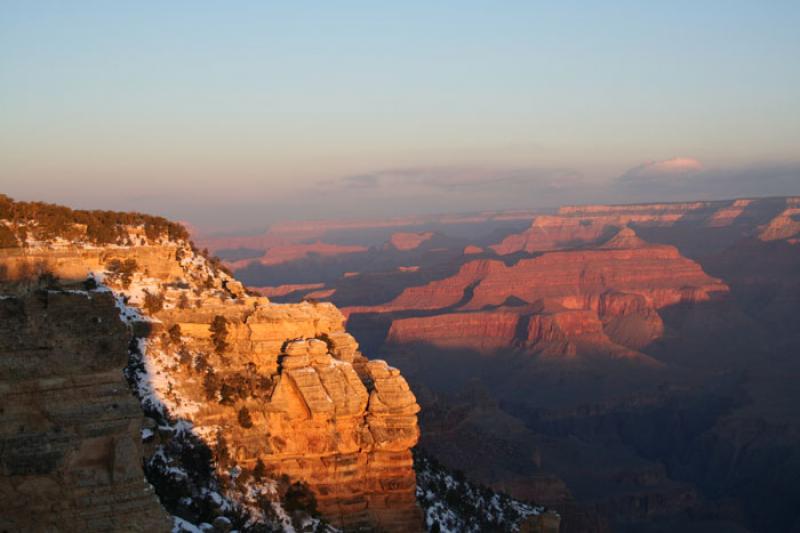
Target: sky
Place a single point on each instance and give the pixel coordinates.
(234, 115)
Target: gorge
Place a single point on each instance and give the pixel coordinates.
(246, 415)
(622, 364)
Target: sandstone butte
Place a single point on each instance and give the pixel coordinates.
(316, 410)
(604, 297)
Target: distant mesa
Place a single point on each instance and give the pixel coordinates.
(785, 226)
(298, 232)
(471, 249)
(404, 241)
(292, 252)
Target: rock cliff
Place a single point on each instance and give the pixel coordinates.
(70, 438)
(576, 279)
(276, 401)
(576, 226)
(606, 297)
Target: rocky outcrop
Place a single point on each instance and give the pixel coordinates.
(319, 412)
(70, 431)
(292, 417)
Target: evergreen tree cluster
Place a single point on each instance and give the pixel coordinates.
(48, 221)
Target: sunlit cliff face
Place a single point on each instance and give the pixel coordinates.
(250, 403)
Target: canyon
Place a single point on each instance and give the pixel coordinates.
(624, 366)
(127, 354)
(620, 363)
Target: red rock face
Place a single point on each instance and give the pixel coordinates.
(437, 294)
(606, 298)
(576, 279)
(551, 334)
(483, 331)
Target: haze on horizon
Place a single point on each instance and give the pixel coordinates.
(236, 117)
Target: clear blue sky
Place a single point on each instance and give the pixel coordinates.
(304, 110)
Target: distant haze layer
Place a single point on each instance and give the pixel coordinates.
(237, 118)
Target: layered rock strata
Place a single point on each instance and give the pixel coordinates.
(574, 226)
(603, 296)
(785, 226)
(318, 411)
(70, 431)
(274, 392)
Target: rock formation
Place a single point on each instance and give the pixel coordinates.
(636, 360)
(576, 279)
(727, 215)
(556, 232)
(319, 412)
(70, 437)
(483, 331)
(273, 392)
(610, 293)
(590, 224)
(785, 226)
